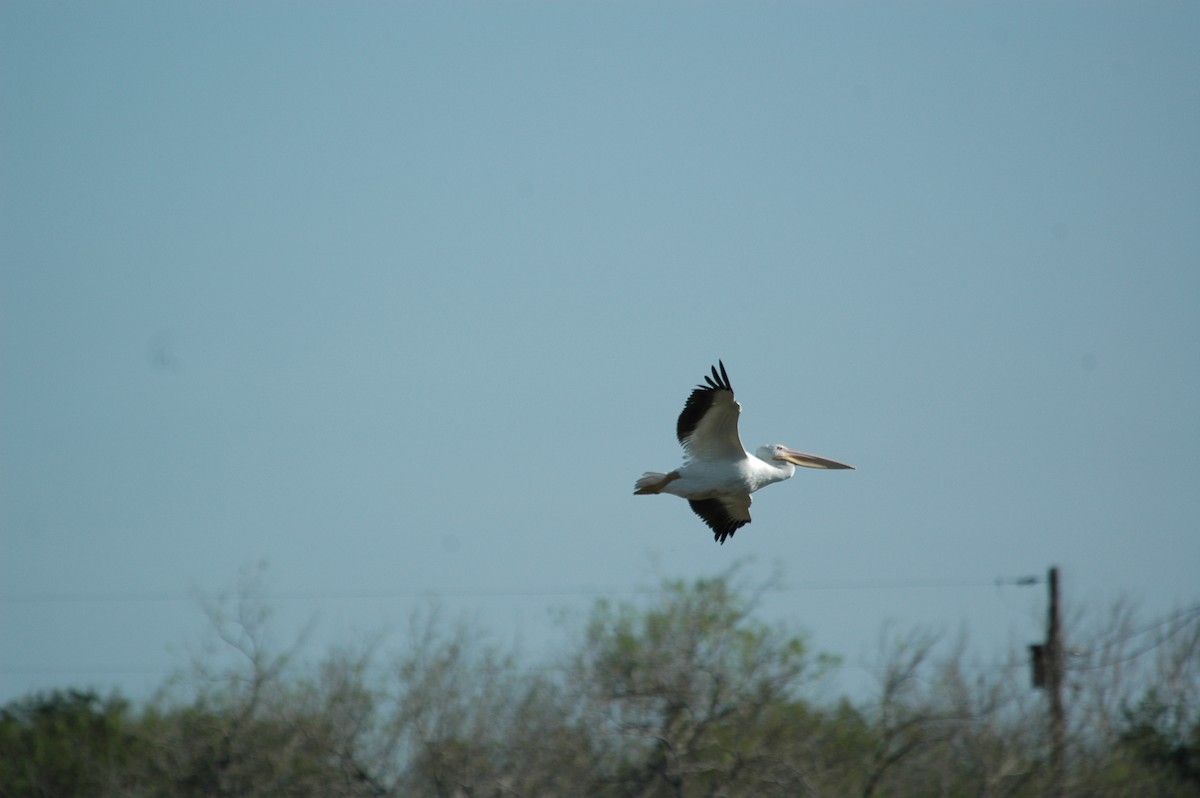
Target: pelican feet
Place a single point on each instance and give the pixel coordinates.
(652, 482)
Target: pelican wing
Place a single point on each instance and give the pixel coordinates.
(724, 515)
(708, 425)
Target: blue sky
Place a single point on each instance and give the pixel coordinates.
(401, 298)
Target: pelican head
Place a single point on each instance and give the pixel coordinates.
(780, 452)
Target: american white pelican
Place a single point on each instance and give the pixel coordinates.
(718, 474)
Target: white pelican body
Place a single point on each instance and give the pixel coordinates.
(718, 474)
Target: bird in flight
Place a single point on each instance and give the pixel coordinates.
(718, 474)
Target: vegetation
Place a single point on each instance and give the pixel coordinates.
(692, 696)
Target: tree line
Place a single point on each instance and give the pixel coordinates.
(692, 695)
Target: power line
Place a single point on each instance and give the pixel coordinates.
(88, 670)
(135, 597)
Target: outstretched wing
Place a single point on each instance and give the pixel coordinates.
(708, 426)
(724, 515)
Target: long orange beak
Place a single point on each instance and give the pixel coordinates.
(810, 460)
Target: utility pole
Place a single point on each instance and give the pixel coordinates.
(1058, 715)
(1049, 671)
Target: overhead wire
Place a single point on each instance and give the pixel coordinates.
(133, 596)
(196, 595)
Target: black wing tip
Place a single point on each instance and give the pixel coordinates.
(719, 381)
(714, 515)
(721, 535)
(700, 400)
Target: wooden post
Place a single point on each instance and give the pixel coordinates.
(1055, 667)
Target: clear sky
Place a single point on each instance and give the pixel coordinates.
(400, 298)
